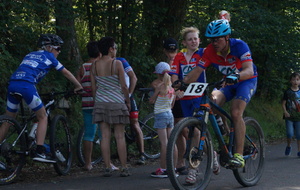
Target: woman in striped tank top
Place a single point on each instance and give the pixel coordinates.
(112, 102)
(163, 99)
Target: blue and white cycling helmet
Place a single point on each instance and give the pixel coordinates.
(49, 39)
(218, 28)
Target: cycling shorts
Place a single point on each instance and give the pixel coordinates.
(176, 110)
(90, 128)
(243, 90)
(188, 106)
(28, 92)
(185, 108)
(134, 111)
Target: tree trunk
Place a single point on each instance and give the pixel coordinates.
(170, 16)
(65, 28)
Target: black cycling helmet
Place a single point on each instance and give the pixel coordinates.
(49, 39)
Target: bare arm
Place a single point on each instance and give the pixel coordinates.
(79, 74)
(193, 75)
(286, 113)
(247, 71)
(155, 94)
(93, 82)
(121, 75)
(133, 80)
(72, 78)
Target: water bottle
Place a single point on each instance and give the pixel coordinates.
(59, 156)
(220, 124)
(33, 131)
(47, 148)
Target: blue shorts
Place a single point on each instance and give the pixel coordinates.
(188, 106)
(243, 90)
(164, 120)
(90, 129)
(28, 92)
(292, 128)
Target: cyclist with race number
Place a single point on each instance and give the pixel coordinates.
(31, 71)
(232, 57)
(185, 61)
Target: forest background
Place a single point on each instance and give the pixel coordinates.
(270, 27)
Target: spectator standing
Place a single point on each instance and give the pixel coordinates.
(291, 109)
(112, 102)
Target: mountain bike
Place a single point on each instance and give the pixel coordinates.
(151, 141)
(20, 143)
(199, 150)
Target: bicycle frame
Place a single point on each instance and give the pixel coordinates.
(207, 106)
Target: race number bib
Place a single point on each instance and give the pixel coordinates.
(195, 89)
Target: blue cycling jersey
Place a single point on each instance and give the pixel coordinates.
(35, 66)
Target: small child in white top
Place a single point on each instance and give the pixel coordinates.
(163, 99)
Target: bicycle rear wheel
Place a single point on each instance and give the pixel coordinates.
(151, 140)
(12, 151)
(202, 161)
(96, 150)
(60, 144)
(254, 154)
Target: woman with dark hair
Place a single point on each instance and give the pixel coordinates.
(112, 102)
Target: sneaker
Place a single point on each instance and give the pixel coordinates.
(159, 173)
(113, 167)
(125, 172)
(107, 172)
(216, 165)
(288, 151)
(182, 170)
(142, 160)
(237, 161)
(191, 177)
(298, 154)
(43, 158)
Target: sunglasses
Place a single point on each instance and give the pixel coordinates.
(57, 48)
(216, 39)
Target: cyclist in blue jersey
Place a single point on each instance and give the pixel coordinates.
(131, 79)
(32, 69)
(232, 57)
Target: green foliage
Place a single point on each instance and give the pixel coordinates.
(271, 29)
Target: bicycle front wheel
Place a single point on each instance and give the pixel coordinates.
(12, 150)
(151, 140)
(189, 128)
(60, 144)
(96, 149)
(254, 154)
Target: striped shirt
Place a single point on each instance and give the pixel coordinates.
(163, 103)
(109, 89)
(87, 98)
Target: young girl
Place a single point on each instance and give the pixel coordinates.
(163, 97)
(291, 108)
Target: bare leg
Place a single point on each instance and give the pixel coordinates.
(121, 143)
(237, 110)
(87, 148)
(105, 143)
(42, 126)
(134, 124)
